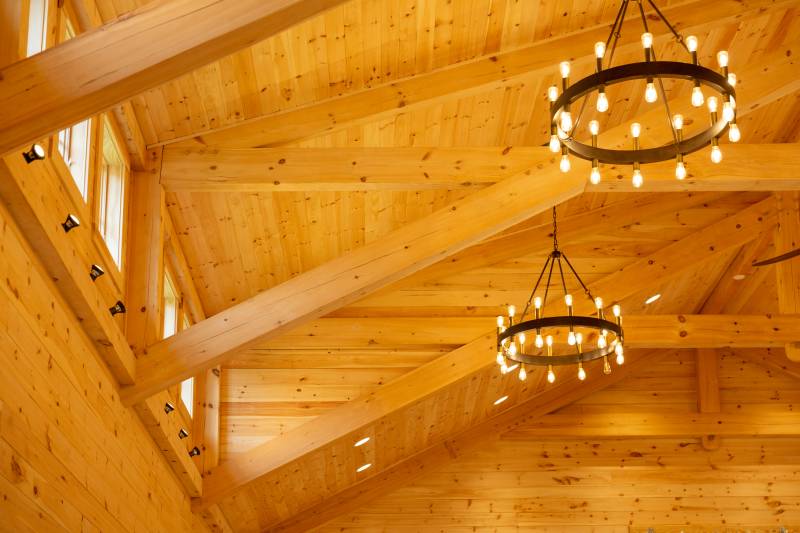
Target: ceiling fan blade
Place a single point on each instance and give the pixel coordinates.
(777, 258)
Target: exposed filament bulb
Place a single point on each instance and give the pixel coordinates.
(650, 93)
(606, 366)
(539, 341)
(620, 352)
(523, 375)
(566, 121)
(555, 144)
(594, 175)
(564, 165)
(734, 135)
(716, 154)
(680, 170)
(697, 97)
(581, 372)
(551, 376)
(637, 178)
(602, 101)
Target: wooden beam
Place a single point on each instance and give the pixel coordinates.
(349, 277)
(708, 390)
(159, 41)
(293, 169)
(661, 425)
(145, 283)
(641, 331)
(746, 167)
(787, 238)
(470, 77)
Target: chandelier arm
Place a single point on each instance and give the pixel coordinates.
(618, 34)
(574, 273)
(672, 130)
(669, 25)
(547, 287)
(617, 21)
(561, 273)
(535, 288)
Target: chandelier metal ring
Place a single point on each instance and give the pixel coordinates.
(647, 70)
(541, 359)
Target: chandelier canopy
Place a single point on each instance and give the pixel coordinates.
(563, 128)
(560, 339)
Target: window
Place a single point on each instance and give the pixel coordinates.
(187, 394)
(73, 145)
(111, 196)
(75, 141)
(171, 307)
(37, 27)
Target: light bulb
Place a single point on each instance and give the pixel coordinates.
(552, 93)
(602, 102)
(566, 121)
(637, 178)
(636, 129)
(697, 97)
(727, 112)
(512, 311)
(564, 68)
(537, 302)
(500, 358)
(571, 338)
(568, 300)
(594, 127)
(551, 376)
(564, 164)
(602, 342)
(521, 337)
(691, 43)
(734, 134)
(606, 366)
(539, 341)
(647, 40)
(555, 144)
(680, 170)
(522, 374)
(579, 339)
(716, 154)
(598, 302)
(504, 368)
(732, 79)
(549, 340)
(620, 353)
(500, 321)
(677, 122)
(616, 310)
(722, 58)
(712, 104)
(599, 49)
(650, 93)
(581, 372)
(512, 349)
(594, 176)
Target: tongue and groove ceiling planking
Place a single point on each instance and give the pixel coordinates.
(240, 243)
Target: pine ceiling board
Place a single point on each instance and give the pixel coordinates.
(563, 483)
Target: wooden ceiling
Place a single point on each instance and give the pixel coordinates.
(566, 471)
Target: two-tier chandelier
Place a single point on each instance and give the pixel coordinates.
(560, 339)
(563, 128)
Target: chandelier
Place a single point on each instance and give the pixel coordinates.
(563, 128)
(560, 339)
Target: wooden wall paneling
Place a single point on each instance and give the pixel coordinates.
(14, 23)
(787, 238)
(464, 79)
(349, 277)
(100, 83)
(61, 417)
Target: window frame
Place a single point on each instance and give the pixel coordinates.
(110, 120)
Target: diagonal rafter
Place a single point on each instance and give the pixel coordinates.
(159, 41)
(348, 278)
(463, 79)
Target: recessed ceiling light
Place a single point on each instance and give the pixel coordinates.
(652, 299)
(500, 400)
(739, 277)
(363, 467)
(361, 442)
